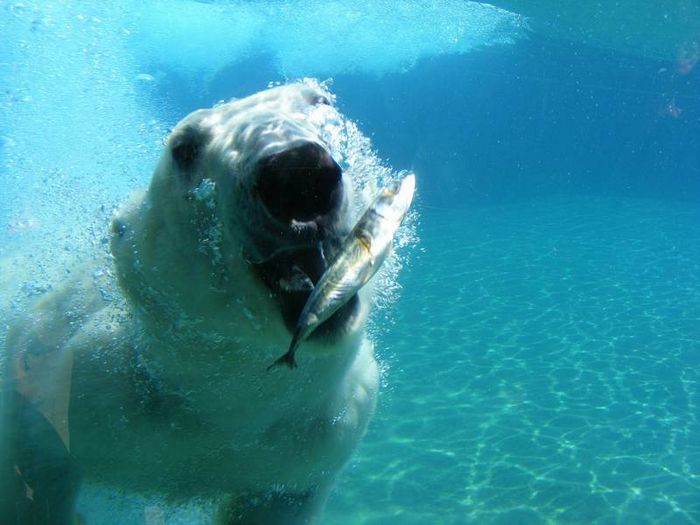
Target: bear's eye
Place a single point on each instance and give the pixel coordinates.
(186, 147)
(322, 100)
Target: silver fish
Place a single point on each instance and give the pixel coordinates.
(359, 258)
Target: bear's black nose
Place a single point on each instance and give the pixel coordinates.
(301, 183)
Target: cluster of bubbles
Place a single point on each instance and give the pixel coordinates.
(368, 175)
(75, 137)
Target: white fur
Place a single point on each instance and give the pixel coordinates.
(170, 389)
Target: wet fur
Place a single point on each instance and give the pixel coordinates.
(152, 377)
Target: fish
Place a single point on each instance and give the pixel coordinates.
(360, 256)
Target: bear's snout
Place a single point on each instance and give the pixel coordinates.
(300, 184)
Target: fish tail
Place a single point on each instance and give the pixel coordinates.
(288, 358)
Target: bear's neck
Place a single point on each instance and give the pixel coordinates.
(224, 378)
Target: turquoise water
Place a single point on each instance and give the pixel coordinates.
(541, 362)
(543, 368)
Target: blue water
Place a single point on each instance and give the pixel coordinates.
(544, 368)
(541, 364)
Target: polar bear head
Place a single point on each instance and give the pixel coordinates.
(245, 209)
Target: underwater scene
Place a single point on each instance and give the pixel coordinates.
(536, 327)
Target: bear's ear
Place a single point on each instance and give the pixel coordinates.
(186, 147)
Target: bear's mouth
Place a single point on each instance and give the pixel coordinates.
(305, 219)
(291, 276)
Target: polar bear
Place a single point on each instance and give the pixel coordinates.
(153, 377)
